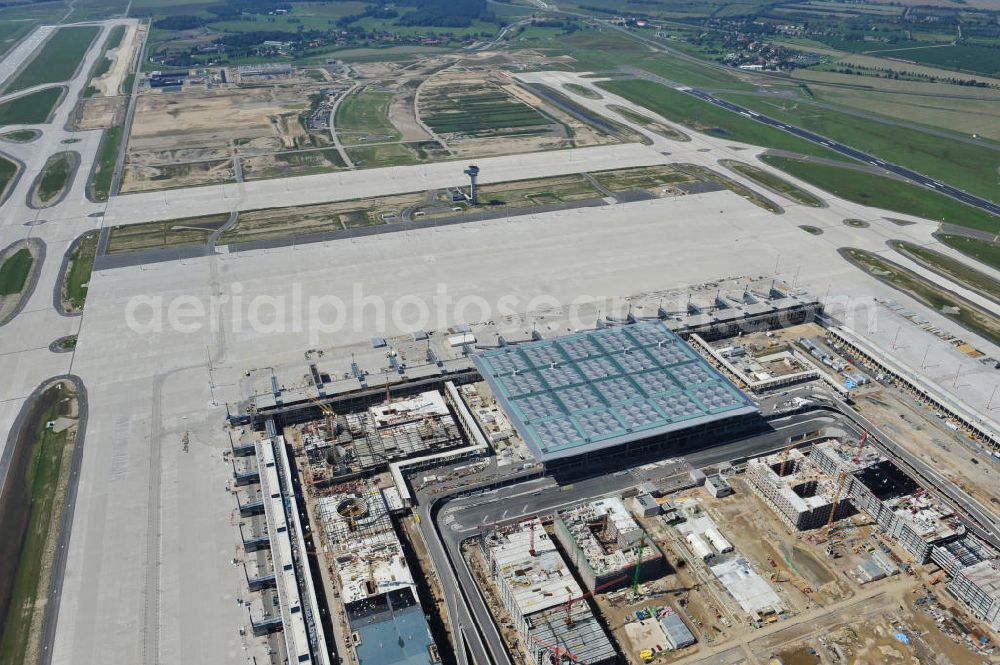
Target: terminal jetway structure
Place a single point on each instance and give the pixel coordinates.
(300, 617)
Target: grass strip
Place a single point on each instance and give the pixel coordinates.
(14, 271)
(33, 109)
(701, 116)
(29, 507)
(100, 184)
(773, 182)
(952, 306)
(887, 193)
(954, 269)
(980, 250)
(81, 264)
(58, 59)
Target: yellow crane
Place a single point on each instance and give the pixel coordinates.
(331, 424)
(784, 458)
(836, 502)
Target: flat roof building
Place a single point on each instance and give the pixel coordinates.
(535, 585)
(602, 541)
(598, 393)
(978, 586)
(717, 486)
(677, 633)
(895, 501)
(397, 429)
(383, 615)
(796, 489)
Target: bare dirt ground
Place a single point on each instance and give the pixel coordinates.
(920, 431)
(178, 156)
(805, 576)
(110, 84)
(403, 113)
(143, 178)
(210, 118)
(98, 112)
(176, 134)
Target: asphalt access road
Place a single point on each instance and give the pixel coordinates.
(459, 519)
(930, 183)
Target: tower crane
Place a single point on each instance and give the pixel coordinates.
(638, 567)
(331, 423)
(861, 444)
(836, 502)
(784, 458)
(588, 594)
(556, 651)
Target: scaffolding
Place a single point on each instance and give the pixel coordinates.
(799, 492)
(533, 583)
(604, 541)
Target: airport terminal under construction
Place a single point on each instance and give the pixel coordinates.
(623, 427)
(345, 461)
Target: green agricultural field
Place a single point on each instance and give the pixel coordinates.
(701, 116)
(33, 109)
(973, 58)
(8, 170)
(774, 183)
(887, 193)
(93, 10)
(609, 49)
(969, 167)
(14, 271)
(57, 60)
(488, 112)
(980, 250)
(29, 515)
(958, 271)
(365, 115)
(55, 176)
(100, 184)
(81, 264)
(961, 311)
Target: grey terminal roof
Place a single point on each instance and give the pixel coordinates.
(591, 390)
